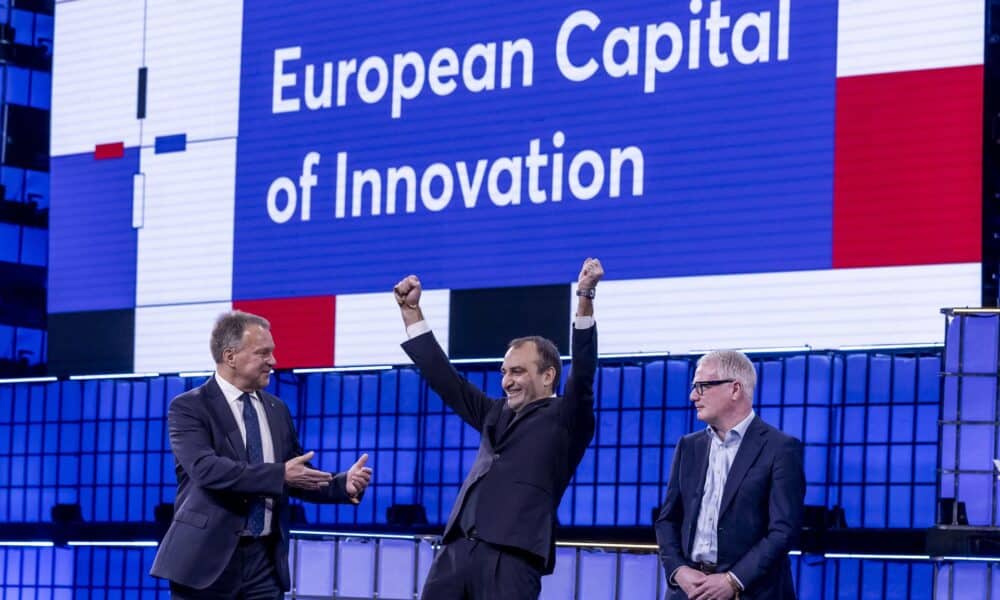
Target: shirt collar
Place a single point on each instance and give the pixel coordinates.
(230, 391)
(740, 429)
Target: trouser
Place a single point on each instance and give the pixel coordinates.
(250, 575)
(471, 569)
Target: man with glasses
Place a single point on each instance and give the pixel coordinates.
(734, 500)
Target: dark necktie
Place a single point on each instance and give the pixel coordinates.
(255, 456)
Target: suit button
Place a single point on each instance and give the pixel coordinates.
(496, 457)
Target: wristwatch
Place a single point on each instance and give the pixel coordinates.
(586, 292)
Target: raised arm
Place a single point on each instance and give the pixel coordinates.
(468, 401)
(586, 286)
(580, 383)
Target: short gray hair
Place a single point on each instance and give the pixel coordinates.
(733, 364)
(229, 329)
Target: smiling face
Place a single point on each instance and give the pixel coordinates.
(523, 382)
(249, 365)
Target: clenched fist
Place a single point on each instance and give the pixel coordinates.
(407, 292)
(590, 273)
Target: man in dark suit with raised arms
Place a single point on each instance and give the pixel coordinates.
(500, 536)
(734, 499)
(238, 458)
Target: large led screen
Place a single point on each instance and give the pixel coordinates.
(752, 173)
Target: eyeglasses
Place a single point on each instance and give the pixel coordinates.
(699, 387)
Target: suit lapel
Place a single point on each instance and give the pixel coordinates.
(274, 424)
(522, 415)
(696, 479)
(753, 442)
(223, 415)
(700, 459)
(491, 421)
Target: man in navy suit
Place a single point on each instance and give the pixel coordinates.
(734, 500)
(500, 536)
(238, 458)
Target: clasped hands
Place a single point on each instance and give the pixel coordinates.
(699, 586)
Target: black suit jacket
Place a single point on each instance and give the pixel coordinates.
(215, 484)
(760, 516)
(523, 471)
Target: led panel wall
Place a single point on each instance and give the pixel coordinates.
(868, 422)
(359, 566)
(970, 425)
(752, 172)
(95, 573)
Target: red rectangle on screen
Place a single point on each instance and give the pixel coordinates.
(113, 150)
(302, 328)
(908, 168)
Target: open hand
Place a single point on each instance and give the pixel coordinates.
(358, 477)
(298, 474)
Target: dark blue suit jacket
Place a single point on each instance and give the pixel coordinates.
(760, 516)
(524, 470)
(215, 484)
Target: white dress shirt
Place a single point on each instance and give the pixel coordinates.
(233, 394)
(720, 459)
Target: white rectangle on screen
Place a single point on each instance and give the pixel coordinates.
(821, 309)
(138, 199)
(193, 54)
(185, 247)
(368, 329)
(95, 74)
(171, 339)
(908, 35)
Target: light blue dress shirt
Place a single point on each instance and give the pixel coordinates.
(720, 459)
